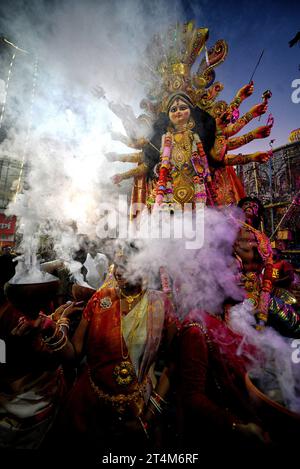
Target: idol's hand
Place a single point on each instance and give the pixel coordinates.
(262, 132)
(111, 156)
(259, 109)
(118, 136)
(224, 120)
(245, 91)
(116, 179)
(261, 156)
(137, 428)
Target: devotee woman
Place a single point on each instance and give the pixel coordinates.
(215, 407)
(123, 328)
(32, 381)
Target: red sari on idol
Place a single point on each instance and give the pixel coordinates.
(113, 390)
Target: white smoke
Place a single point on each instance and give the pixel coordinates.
(279, 377)
(203, 275)
(55, 124)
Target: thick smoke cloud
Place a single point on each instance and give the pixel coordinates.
(53, 120)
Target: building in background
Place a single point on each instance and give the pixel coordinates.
(12, 167)
(11, 178)
(277, 184)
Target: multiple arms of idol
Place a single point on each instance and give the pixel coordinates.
(224, 141)
(225, 131)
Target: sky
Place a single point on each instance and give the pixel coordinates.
(250, 27)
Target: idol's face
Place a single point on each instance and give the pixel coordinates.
(179, 112)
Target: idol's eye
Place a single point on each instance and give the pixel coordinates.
(173, 109)
(183, 107)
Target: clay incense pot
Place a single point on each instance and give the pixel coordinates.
(31, 298)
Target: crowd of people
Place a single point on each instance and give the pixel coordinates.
(117, 368)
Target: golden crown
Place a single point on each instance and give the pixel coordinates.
(168, 68)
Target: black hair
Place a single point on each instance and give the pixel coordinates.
(205, 127)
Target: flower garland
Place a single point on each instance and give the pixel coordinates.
(164, 169)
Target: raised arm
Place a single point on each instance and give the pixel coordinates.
(260, 132)
(140, 170)
(125, 158)
(255, 111)
(257, 157)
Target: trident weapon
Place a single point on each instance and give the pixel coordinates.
(295, 203)
(255, 68)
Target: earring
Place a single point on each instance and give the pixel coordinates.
(191, 124)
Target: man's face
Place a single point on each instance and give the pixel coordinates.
(251, 209)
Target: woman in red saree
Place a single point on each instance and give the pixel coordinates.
(121, 333)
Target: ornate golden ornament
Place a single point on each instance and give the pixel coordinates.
(124, 373)
(183, 189)
(121, 402)
(170, 57)
(182, 148)
(105, 302)
(191, 124)
(131, 298)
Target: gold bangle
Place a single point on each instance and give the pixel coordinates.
(61, 346)
(159, 397)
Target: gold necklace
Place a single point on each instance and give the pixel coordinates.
(124, 373)
(137, 317)
(182, 149)
(130, 298)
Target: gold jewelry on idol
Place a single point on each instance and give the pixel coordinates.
(191, 123)
(171, 56)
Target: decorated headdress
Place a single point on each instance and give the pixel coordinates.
(179, 95)
(168, 68)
